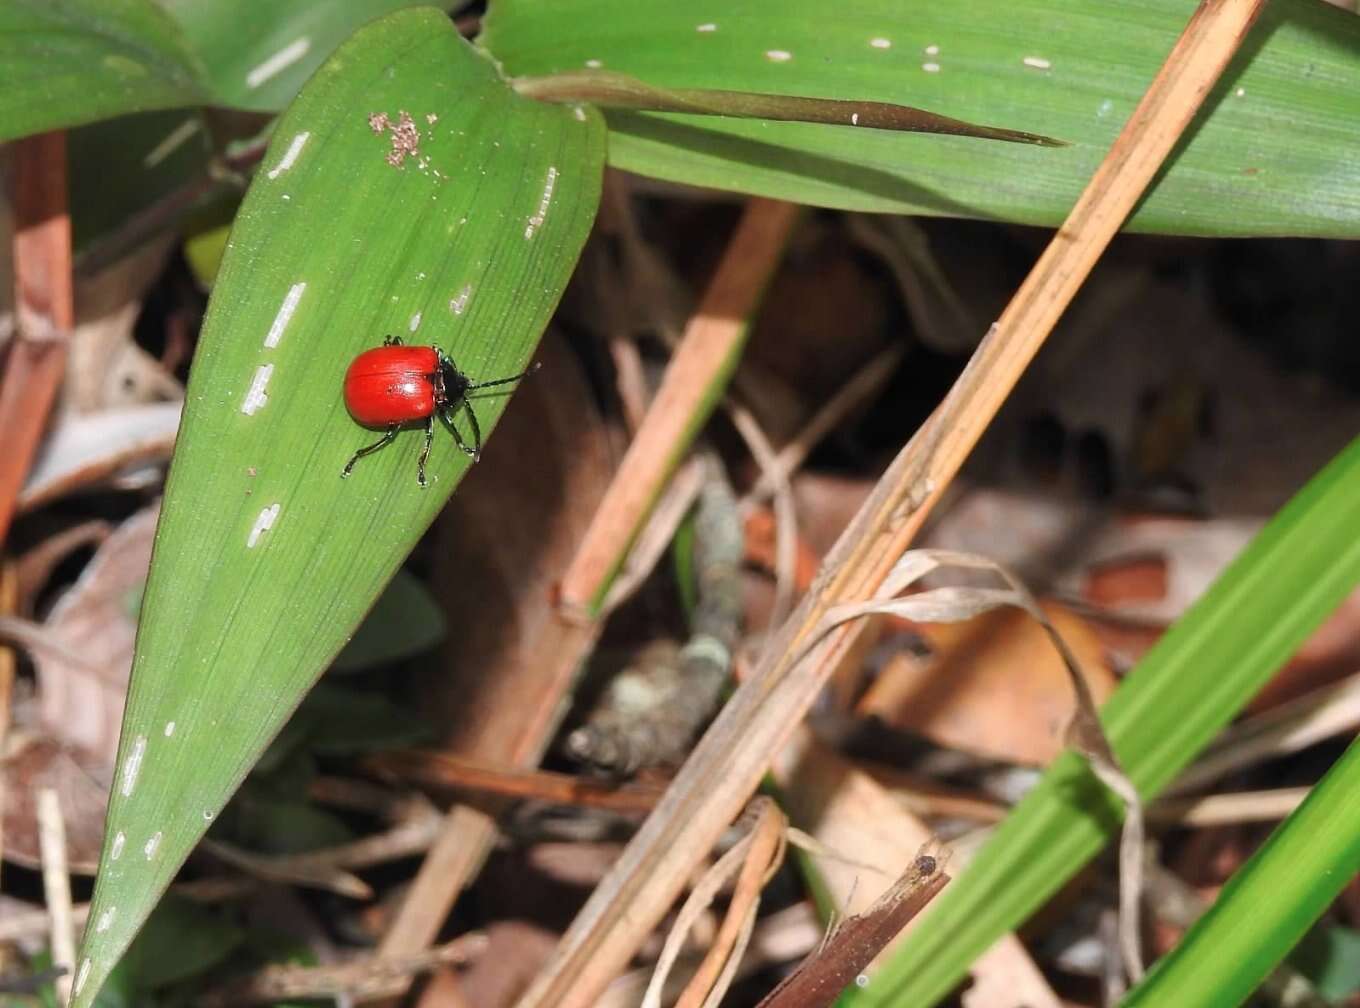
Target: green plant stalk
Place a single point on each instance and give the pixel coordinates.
(1293, 574)
(615, 90)
(1268, 904)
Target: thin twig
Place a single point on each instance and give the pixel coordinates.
(357, 979)
(696, 374)
(861, 387)
(57, 887)
(776, 473)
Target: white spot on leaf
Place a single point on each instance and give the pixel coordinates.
(263, 523)
(105, 920)
(116, 851)
(459, 304)
(415, 322)
(854, 118)
(152, 844)
(932, 50)
(778, 55)
(707, 27)
(279, 62)
(172, 142)
(132, 766)
(255, 395)
(536, 221)
(169, 728)
(1240, 92)
(881, 43)
(285, 314)
(594, 64)
(1037, 62)
(930, 67)
(82, 975)
(290, 155)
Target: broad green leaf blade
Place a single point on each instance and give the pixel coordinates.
(77, 61)
(265, 559)
(1268, 904)
(1201, 673)
(1278, 154)
(257, 53)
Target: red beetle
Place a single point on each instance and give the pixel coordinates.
(393, 385)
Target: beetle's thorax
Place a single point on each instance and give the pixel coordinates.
(450, 384)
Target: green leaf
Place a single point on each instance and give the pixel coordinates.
(266, 560)
(76, 61)
(1279, 152)
(1268, 905)
(1200, 674)
(257, 53)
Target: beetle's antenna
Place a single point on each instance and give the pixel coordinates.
(506, 381)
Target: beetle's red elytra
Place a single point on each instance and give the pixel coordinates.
(394, 385)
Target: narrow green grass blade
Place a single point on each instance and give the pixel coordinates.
(1268, 904)
(265, 559)
(1294, 573)
(73, 62)
(1278, 154)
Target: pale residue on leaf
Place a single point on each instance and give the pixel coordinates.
(285, 314)
(536, 221)
(256, 396)
(172, 142)
(290, 155)
(279, 62)
(132, 766)
(152, 845)
(263, 523)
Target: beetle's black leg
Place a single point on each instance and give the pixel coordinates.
(391, 340)
(385, 440)
(476, 452)
(425, 452)
(447, 414)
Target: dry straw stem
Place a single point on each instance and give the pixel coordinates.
(44, 308)
(728, 763)
(57, 887)
(444, 772)
(708, 351)
(752, 859)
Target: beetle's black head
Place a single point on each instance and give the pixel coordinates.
(454, 383)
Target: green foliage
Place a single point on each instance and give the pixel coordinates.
(1279, 152)
(265, 559)
(1268, 905)
(73, 62)
(1200, 674)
